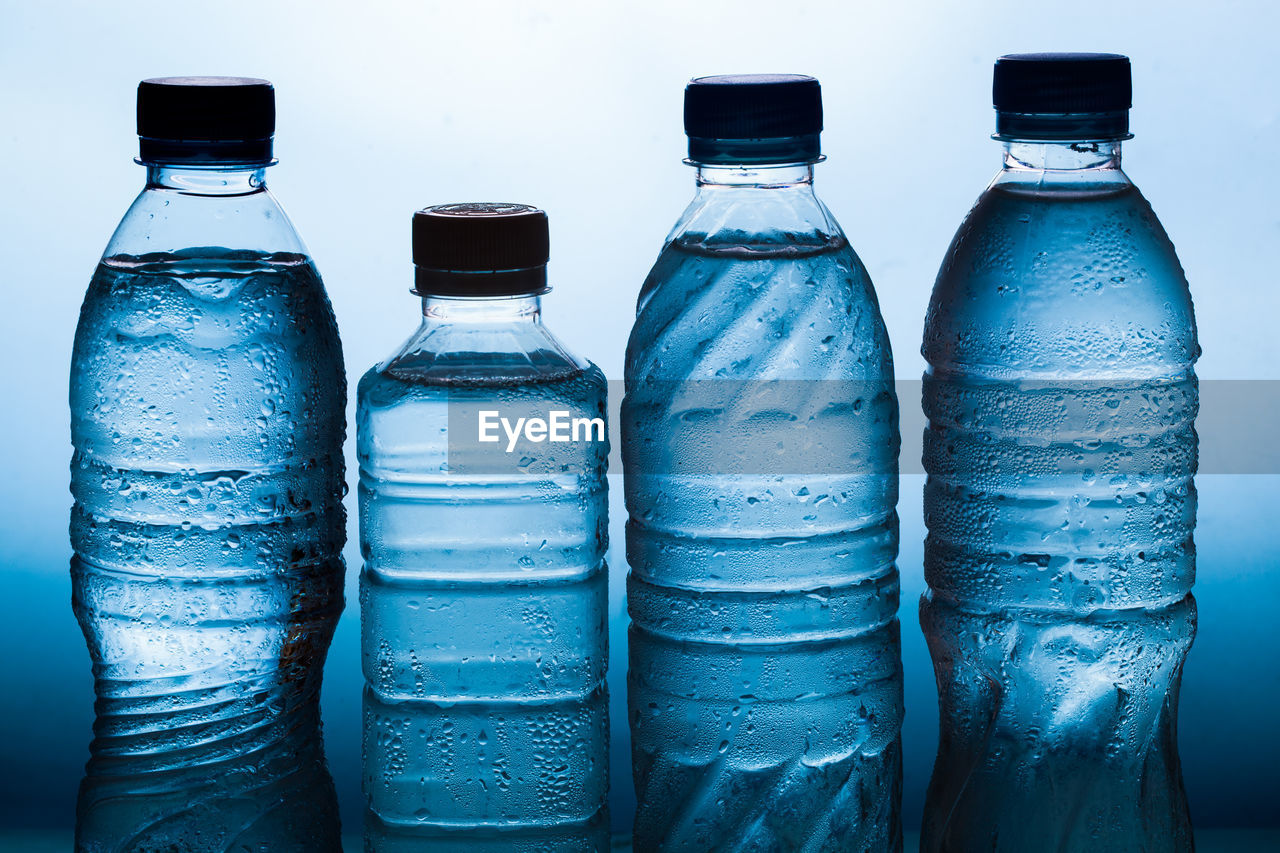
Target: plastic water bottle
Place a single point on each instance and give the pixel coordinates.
(207, 415)
(760, 443)
(1060, 451)
(483, 519)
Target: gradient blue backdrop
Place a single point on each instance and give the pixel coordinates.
(385, 107)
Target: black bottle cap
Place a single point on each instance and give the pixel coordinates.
(205, 120)
(480, 249)
(1061, 96)
(753, 118)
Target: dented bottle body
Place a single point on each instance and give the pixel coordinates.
(208, 416)
(1061, 398)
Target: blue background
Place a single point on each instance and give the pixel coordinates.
(385, 107)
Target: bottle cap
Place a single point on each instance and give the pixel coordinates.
(480, 249)
(1062, 96)
(205, 120)
(753, 118)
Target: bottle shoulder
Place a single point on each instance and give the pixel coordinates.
(484, 355)
(766, 304)
(1074, 223)
(479, 378)
(1072, 278)
(164, 219)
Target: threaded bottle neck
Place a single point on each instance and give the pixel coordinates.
(525, 308)
(1061, 156)
(207, 180)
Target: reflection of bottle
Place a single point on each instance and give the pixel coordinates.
(271, 791)
(483, 595)
(760, 442)
(1060, 503)
(207, 402)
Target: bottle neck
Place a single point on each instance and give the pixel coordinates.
(781, 176)
(207, 180)
(489, 310)
(1071, 163)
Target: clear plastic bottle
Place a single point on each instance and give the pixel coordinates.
(760, 443)
(1061, 396)
(484, 590)
(207, 415)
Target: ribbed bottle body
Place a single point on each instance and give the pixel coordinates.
(208, 397)
(484, 607)
(760, 445)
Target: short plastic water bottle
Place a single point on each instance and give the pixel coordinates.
(483, 520)
(1060, 450)
(760, 442)
(207, 416)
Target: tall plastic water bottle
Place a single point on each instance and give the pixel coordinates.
(761, 445)
(207, 415)
(1060, 450)
(483, 524)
